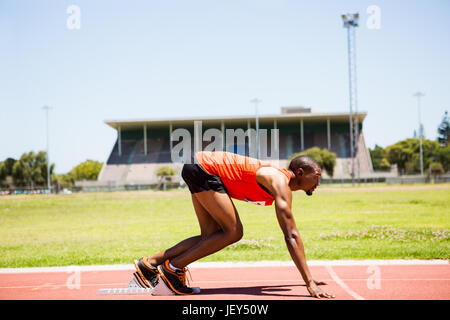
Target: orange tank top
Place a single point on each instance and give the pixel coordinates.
(238, 174)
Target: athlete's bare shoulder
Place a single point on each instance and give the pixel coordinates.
(269, 172)
(272, 178)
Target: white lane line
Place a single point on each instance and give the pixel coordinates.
(278, 280)
(230, 264)
(210, 281)
(342, 284)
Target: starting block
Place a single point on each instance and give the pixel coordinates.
(134, 288)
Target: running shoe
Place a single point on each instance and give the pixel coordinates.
(175, 280)
(137, 282)
(149, 274)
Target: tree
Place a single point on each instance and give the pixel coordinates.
(88, 170)
(384, 165)
(443, 156)
(3, 174)
(378, 156)
(406, 155)
(9, 163)
(444, 131)
(325, 158)
(6, 171)
(31, 170)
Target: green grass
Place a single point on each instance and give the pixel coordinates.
(336, 223)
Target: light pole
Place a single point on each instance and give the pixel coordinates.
(256, 101)
(350, 23)
(49, 185)
(419, 95)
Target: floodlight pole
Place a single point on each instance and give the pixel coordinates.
(49, 185)
(419, 95)
(350, 23)
(256, 101)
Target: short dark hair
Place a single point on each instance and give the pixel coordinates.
(307, 163)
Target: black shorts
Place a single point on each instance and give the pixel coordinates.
(198, 180)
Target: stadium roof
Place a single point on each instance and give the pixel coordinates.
(136, 123)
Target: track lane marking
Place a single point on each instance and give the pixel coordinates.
(342, 284)
(213, 281)
(229, 264)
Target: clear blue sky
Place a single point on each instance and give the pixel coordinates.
(146, 59)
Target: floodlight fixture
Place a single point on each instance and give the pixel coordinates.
(419, 95)
(350, 20)
(350, 23)
(49, 184)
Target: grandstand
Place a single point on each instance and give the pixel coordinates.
(143, 146)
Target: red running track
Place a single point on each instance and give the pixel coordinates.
(392, 282)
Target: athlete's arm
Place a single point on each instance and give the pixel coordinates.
(277, 185)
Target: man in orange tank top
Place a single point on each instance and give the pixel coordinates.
(213, 180)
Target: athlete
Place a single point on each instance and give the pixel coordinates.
(213, 181)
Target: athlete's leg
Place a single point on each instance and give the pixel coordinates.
(207, 226)
(220, 207)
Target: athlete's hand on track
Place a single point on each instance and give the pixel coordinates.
(316, 292)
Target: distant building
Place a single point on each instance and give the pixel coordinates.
(142, 146)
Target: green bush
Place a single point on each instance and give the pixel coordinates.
(165, 171)
(88, 170)
(61, 181)
(436, 169)
(325, 158)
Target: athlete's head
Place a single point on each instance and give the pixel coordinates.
(307, 174)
